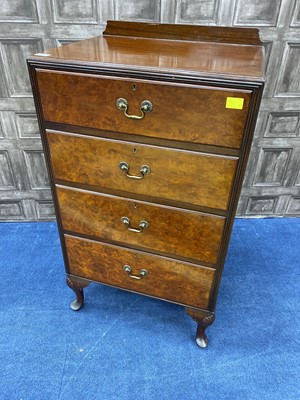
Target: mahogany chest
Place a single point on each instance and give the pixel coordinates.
(146, 133)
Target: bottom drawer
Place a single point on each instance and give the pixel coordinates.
(156, 276)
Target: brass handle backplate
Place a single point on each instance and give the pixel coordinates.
(144, 170)
(145, 107)
(142, 272)
(142, 225)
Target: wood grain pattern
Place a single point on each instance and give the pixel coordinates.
(176, 281)
(195, 178)
(171, 231)
(197, 58)
(180, 112)
(197, 33)
(127, 137)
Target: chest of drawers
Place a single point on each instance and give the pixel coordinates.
(146, 133)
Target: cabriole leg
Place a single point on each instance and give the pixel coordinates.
(77, 285)
(203, 319)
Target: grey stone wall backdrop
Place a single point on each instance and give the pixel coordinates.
(272, 183)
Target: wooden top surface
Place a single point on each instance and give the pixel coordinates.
(208, 57)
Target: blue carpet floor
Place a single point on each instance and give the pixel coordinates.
(126, 346)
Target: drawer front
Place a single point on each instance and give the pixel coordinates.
(180, 112)
(189, 177)
(180, 282)
(170, 230)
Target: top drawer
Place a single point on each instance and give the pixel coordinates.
(180, 112)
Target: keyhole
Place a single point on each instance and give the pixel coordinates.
(134, 150)
(134, 87)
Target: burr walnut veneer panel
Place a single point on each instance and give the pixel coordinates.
(173, 231)
(184, 283)
(190, 177)
(91, 101)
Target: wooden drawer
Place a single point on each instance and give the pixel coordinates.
(170, 231)
(176, 281)
(180, 112)
(189, 177)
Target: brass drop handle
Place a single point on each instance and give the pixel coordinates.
(142, 225)
(144, 170)
(142, 273)
(145, 107)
